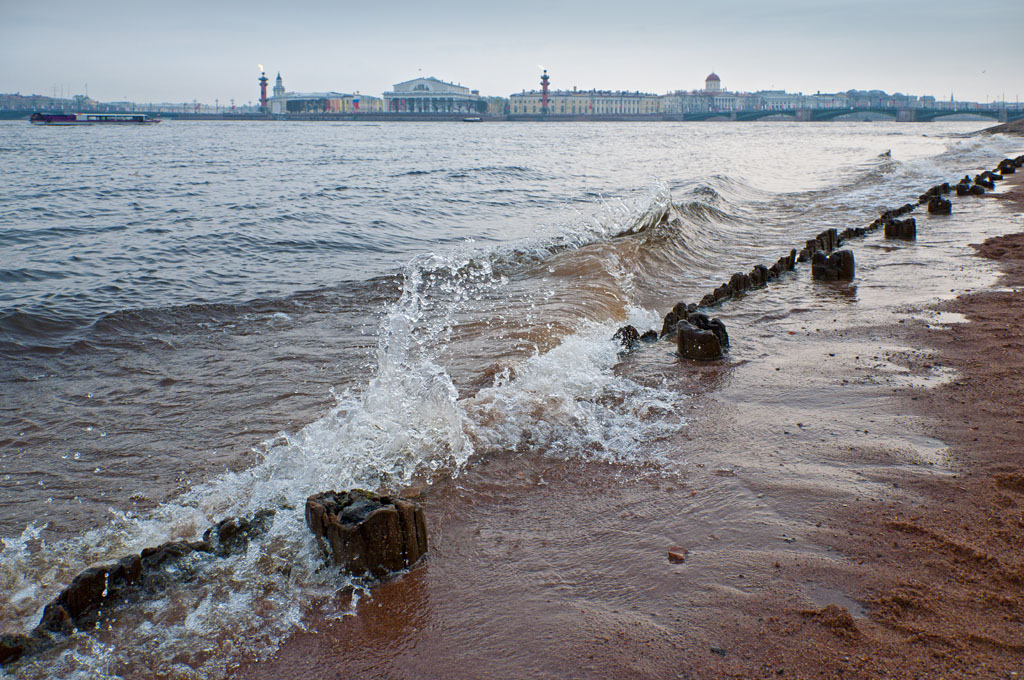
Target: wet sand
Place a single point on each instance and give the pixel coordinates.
(859, 519)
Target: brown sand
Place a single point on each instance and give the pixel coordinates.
(559, 569)
(946, 589)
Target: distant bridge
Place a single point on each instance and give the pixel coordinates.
(902, 115)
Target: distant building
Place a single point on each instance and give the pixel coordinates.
(710, 99)
(284, 103)
(34, 102)
(430, 95)
(715, 99)
(838, 100)
(779, 100)
(585, 103)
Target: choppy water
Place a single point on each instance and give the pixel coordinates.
(206, 319)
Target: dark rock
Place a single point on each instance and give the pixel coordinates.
(231, 536)
(88, 592)
(694, 343)
(991, 176)
(702, 322)
(56, 620)
(828, 240)
(963, 189)
(940, 206)
(13, 647)
(977, 190)
(668, 326)
(707, 301)
(130, 578)
(723, 292)
(844, 260)
(758, 276)
(739, 283)
(678, 313)
(718, 328)
(820, 268)
(698, 320)
(905, 230)
(649, 337)
(628, 337)
(1007, 166)
(837, 266)
(981, 181)
(937, 190)
(173, 551)
(366, 533)
(804, 255)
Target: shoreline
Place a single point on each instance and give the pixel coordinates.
(884, 569)
(767, 482)
(852, 116)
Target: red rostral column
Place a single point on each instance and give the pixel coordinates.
(544, 93)
(263, 91)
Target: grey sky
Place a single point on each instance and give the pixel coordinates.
(185, 49)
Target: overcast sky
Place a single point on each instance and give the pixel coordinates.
(180, 50)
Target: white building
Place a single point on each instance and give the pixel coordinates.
(585, 103)
(430, 95)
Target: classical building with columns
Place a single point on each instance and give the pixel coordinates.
(713, 98)
(430, 95)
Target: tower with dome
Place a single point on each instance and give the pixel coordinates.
(713, 83)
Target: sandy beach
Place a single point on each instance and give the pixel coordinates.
(836, 496)
(878, 536)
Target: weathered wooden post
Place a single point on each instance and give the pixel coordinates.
(366, 533)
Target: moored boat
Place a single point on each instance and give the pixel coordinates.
(92, 119)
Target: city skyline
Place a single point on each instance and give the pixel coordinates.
(191, 51)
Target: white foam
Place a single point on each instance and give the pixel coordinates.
(408, 418)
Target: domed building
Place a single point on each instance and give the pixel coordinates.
(713, 83)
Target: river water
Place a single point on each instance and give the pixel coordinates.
(200, 320)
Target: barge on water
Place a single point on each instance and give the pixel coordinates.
(92, 119)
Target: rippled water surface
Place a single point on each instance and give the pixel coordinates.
(206, 319)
